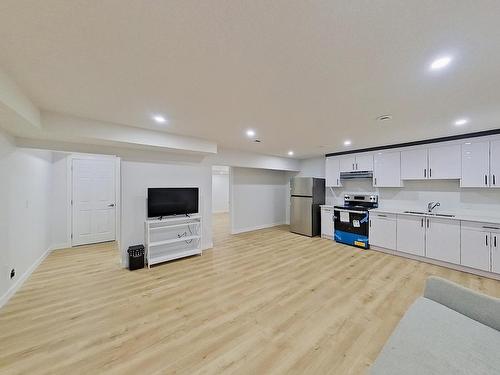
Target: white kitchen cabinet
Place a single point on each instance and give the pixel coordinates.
(327, 222)
(442, 239)
(495, 164)
(364, 162)
(360, 162)
(444, 162)
(410, 237)
(475, 248)
(332, 172)
(436, 163)
(382, 230)
(475, 164)
(387, 169)
(495, 253)
(347, 163)
(414, 164)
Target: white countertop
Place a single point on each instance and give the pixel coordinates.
(464, 215)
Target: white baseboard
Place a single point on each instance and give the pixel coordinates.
(257, 227)
(59, 246)
(19, 282)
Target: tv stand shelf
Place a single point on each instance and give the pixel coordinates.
(172, 237)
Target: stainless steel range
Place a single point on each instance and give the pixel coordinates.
(352, 219)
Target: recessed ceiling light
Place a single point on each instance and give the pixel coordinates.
(160, 119)
(440, 63)
(250, 133)
(290, 153)
(347, 142)
(461, 121)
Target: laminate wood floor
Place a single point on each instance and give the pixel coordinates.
(264, 302)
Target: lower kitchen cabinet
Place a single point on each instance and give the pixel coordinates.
(383, 230)
(475, 248)
(442, 240)
(327, 220)
(410, 236)
(481, 246)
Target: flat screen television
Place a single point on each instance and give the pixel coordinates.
(172, 201)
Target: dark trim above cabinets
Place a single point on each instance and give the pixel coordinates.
(417, 143)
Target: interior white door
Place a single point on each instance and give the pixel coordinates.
(495, 164)
(411, 234)
(442, 240)
(475, 248)
(414, 164)
(445, 162)
(475, 164)
(94, 211)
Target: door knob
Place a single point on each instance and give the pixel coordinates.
(111, 205)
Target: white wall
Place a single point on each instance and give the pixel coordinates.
(313, 167)
(259, 198)
(220, 193)
(24, 212)
(138, 176)
(60, 218)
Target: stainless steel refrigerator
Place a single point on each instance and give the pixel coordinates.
(306, 194)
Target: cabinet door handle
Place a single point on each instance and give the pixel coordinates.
(337, 181)
(422, 222)
(494, 182)
(495, 241)
(370, 223)
(430, 172)
(375, 181)
(486, 179)
(353, 166)
(486, 240)
(488, 227)
(380, 215)
(425, 172)
(356, 166)
(428, 223)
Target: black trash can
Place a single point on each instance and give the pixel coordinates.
(135, 257)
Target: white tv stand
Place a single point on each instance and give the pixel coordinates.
(172, 237)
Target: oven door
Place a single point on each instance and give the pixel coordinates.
(351, 227)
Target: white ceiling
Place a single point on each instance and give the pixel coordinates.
(306, 75)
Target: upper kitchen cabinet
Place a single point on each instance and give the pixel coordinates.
(444, 162)
(414, 164)
(476, 164)
(359, 162)
(387, 169)
(436, 163)
(332, 171)
(495, 163)
(364, 162)
(347, 163)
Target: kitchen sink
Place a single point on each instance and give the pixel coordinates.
(428, 213)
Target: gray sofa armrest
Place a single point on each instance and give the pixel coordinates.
(477, 306)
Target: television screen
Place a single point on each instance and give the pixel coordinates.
(172, 201)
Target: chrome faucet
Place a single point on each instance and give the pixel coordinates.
(432, 205)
